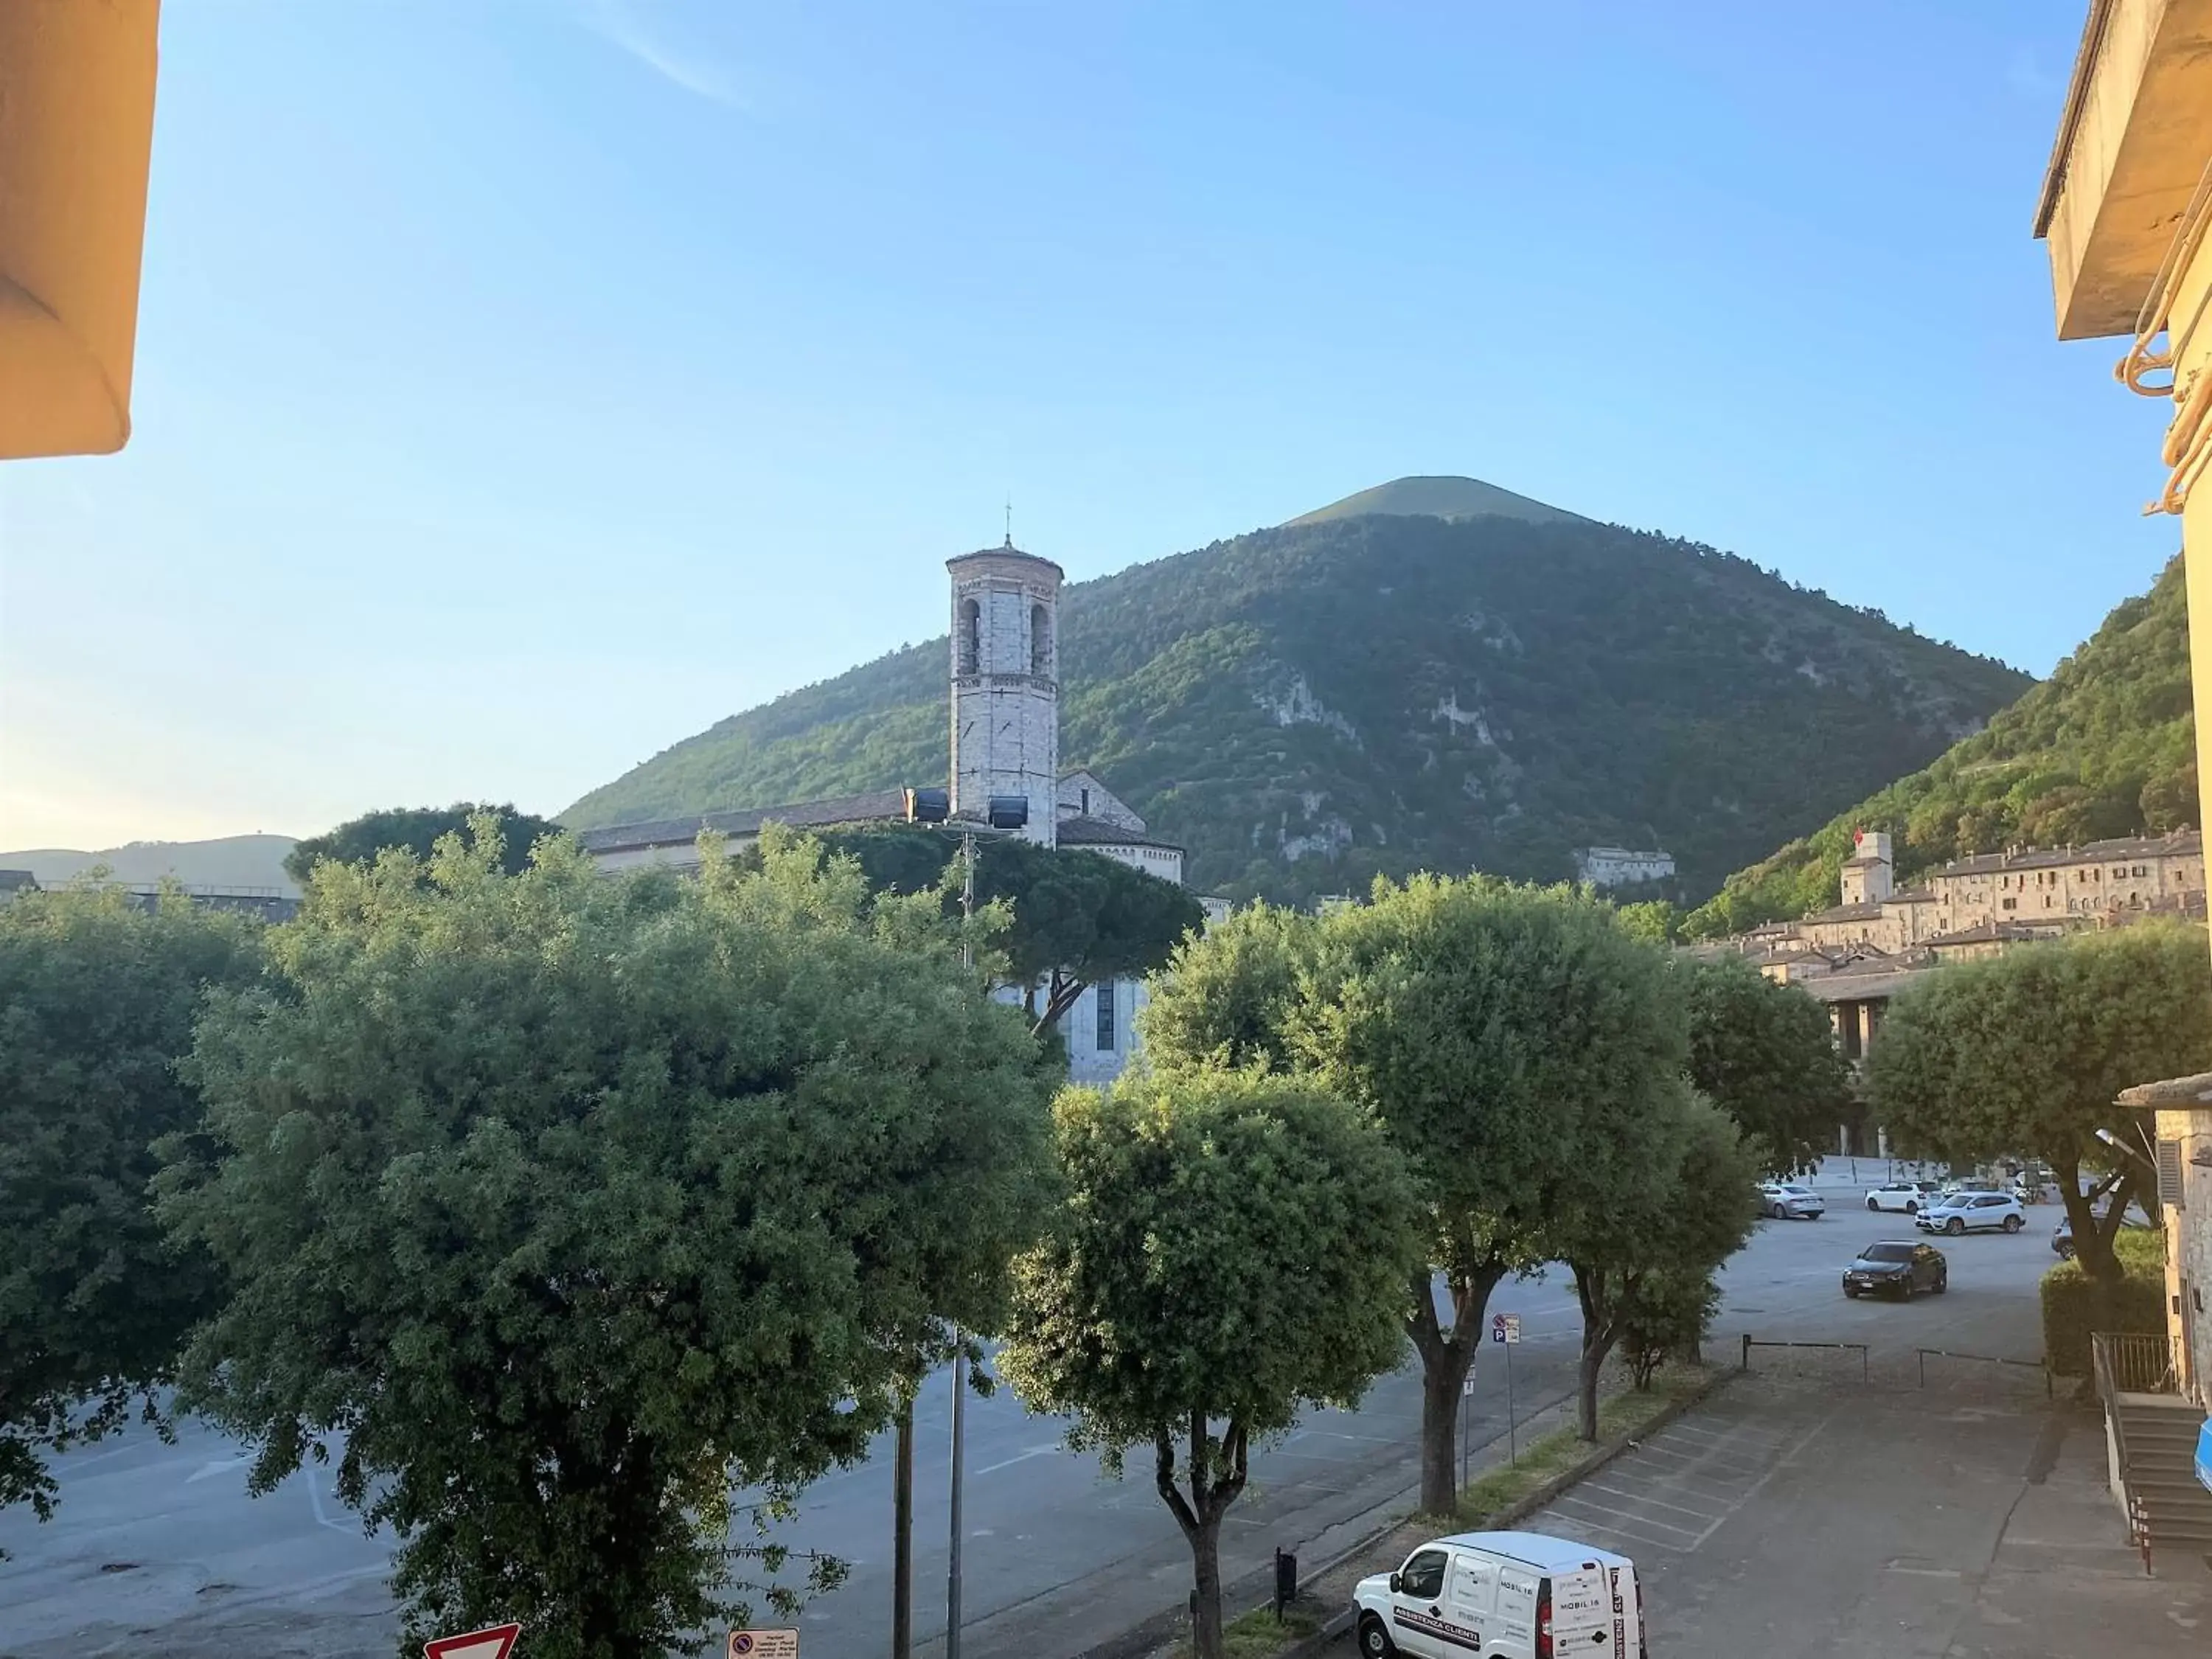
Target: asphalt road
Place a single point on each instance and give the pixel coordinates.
(162, 1543)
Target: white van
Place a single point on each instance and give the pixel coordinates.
(1503, 1595)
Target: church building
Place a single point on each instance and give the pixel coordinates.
(1003, 776)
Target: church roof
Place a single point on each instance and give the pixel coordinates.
(1097, 832)
(1006, 550)
(805, 815)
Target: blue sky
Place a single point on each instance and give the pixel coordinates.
(523, 386)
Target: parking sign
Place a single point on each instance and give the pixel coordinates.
(1505, 1328)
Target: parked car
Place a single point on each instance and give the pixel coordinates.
(1503, 1595)
(2062, 1238)
(1896, 1266)
(1785, 1201)
(1905, 1197)
(1973, 1212)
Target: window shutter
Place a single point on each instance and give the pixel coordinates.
(2169, 1173)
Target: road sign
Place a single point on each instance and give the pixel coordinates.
(763, 1645)
(1467, 1386)
(1505, 1328)
(492, 1641)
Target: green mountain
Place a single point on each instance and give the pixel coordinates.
(2106, 747)
(1439, 498)
(1303, 707)
(226, 861)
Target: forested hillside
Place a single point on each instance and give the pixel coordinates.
(1303, 707)
(2106, 747)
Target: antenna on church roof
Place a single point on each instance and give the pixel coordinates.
(1009, 520)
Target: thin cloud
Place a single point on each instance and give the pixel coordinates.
(619, 23)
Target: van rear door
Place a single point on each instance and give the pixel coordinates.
(1585, 1625)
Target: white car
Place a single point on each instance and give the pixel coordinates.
(1503, 1595)
(1973, 1212)
(1905, 1197)
(1785, 1201)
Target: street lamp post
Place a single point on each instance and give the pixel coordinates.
(959, 1347)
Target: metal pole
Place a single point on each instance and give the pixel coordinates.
(959, 1348)
(902, 1536)
(1512, 1447)
(1464, 1398)
(966, 896)
(959, 1436)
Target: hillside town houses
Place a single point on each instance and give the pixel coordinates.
(1859, 953)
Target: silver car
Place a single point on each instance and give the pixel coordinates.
(1785, 1201)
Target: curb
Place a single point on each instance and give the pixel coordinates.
(1339, 1623)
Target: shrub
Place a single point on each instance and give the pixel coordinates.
(2074, 1304)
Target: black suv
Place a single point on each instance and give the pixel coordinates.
(1896, 1266)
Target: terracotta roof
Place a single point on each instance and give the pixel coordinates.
(1861, 988)
(2192, 1090)
(1870, 910)
(1097, 832)
(805, 815)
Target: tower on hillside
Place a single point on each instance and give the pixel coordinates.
(1006, 684)
(1869, 873)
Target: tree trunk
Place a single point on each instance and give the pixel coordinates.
(1205, 1578)
(1198, 1515)
(1445, 1359)
(1600, 1330)
(2092, 1244)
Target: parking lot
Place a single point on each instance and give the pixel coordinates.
(160, 1544)
(1898, 1503)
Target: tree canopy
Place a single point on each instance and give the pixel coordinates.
(572, 1203)
(1077, 917)
(1763, 1052)
(97, 999)
(2025, 1053)
(1650, 1249)
(1232, 1252)
(1513, 1041)
(417, 828)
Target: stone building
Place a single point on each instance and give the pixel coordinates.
(1621, 866)
(1003, 703)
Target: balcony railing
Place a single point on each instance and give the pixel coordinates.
(2129, 1362)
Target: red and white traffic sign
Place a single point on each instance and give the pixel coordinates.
(492, 1641)
(763, 1645)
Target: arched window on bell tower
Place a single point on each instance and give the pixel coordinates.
(1040, 641)
(971, 636)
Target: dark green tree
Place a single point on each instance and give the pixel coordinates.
(1515, 1043)
(574, 1203)
(1231, 1253)
(97, 999)
(1077, 917)
(2023, 1054)
(1763, 1053)
(358, 840)
(1646, 1243)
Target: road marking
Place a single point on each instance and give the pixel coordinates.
(1045, 1450)
(218, 1467)
(1642, 1497)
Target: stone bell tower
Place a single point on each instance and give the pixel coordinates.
(1006, 684)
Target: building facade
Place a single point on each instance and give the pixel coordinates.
(1003, 704)
(1621, 866)
(2126, 214)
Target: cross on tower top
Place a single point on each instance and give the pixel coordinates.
(1010, 521)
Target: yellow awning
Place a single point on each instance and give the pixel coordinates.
(77, 134)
